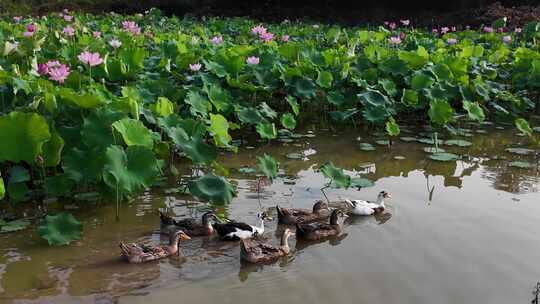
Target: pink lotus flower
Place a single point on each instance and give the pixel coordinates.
(451, 41)
(258, 30)
(131, 26)
(69, 31)
(394, 40)
(488, 29)
(402, 36)
(115, 43)
(59, 73)
(17, 19)
(386, 23)
(68, 18)
(217, 40)
(267, 36)
(445, 30)
(92, 59)
(195, 67)
(97, 34)
(507, 39)
(517, 30)
(405, 22)
(285, 38)
(28, 34)
(53, 63)
(252, 60)
(500, 30)
(65, 11)
(392, 25)
(31, 27)
(435, 31)
(43, 69)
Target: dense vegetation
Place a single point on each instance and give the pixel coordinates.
(106, 103)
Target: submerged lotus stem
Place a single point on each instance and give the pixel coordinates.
(436, 142)
(324, 193)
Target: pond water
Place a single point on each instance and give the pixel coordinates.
(454, 232)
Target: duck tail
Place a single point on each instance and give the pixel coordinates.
(350, 203)
(243, 247)
(299, 230)
(280, 212)
(123, 249)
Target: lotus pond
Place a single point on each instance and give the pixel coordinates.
(457, 231)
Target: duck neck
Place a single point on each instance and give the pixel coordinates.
(260, 225)
(207, 224)
(285, 243)
(380, 201)
(173, 244)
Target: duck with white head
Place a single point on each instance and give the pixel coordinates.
(361, 207)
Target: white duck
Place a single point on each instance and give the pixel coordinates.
(233, 231)
(361, 207)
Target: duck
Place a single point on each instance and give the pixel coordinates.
(141, 253)
(234, 231)
(191, 227)
(318, 231)
(361, 207)
(253, 251)
(291, 216)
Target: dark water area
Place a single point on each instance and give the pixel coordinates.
(463, 231)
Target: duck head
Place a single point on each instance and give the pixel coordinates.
(383, 195)
(336, 216)
(208, 218)
(320, 205)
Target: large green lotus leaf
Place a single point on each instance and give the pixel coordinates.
(521, 164)
(131, 170)
(268, 166)
(163, 107)
(83, 165)
(523, 126)
(199, 104)
(87, 100)
(2, 188)
(324, 79)
(338, 179)
(195, 148)
(373, 98)
(520, 151)
(294, 104)
(444, 156)
(375, 114)
(389, 86)
(361, 182)
(474, 110)
(415, 59)
(458, 142)
(392, 128)
(96, 130)
(409, 97)
(421, 80)
(304, 87)
(288, 121)
(440, 112)
(220, 98)
(18, 174)
(60, 229)
(22, 136)
(134, 132)
(52, 150)
(59, 185)
(266, 130)
(12, 226)
(267, 111)
(213, 189)
(342, 116)
(192, 127)
(336, 98)
(249, 115)
(366, 147)
(219, 127)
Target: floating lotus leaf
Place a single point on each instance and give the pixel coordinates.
(22, 136)
(444, 156)
(523, 126)
(288, 121)
(266, 130)
(12, 226)
(521, 164)
(382, 142)
(536, 129)
(338, 179)
(429, 141)
(458, 142)
(247, 170)
(52, 150)
(433, 150)
(219, 127)
(366, 147)
(60, 229)
(134, 132)
(268, 166)
(213, 189)
(361, 182)
(131, 170)
(408, 139)
(295, 155)
(520, 151)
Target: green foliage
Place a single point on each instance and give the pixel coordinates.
(392, 127)
(60, 229)
(268, 166)
(134, 132)
(213, 189)
(22, 136)
(338, 179)
(523, 126)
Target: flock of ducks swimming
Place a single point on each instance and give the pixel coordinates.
(317, 224)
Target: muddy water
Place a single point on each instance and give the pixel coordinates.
(454, 232)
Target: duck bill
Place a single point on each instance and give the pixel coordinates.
(185, 237)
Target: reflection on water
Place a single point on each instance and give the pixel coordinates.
(454, 232)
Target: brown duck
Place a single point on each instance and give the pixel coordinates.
(318, 231)
(293, 216)
(253, 251)
(141, 253)
(190, 226)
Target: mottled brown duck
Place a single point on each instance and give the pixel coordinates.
(291, 216)
(317, 231)
(255, 251)
(141, 253)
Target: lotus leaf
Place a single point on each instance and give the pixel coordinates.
(288, 121)
(458, 142)
(338, 179)
(266, 130)
(268, 166)
(444, 156)
(60, 229)
(360, 182)
(213, 189)
(22, 136)
(219, 127)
